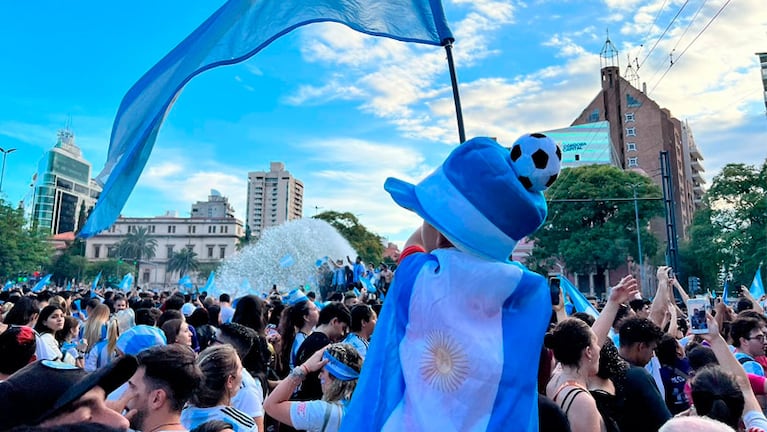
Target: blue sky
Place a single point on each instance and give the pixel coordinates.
(344, 111)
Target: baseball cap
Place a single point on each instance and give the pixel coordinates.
(44, 388)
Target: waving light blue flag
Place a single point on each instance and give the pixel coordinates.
(96, 281)
(724, 292)
(42, 283)
(757, 286)
(234, 33)
(126, 282)
(185, 282)
(580, 302)
(210, 284)
(8, 285)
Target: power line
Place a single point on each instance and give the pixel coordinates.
(664, 32)
(649, 29)
(691, 43)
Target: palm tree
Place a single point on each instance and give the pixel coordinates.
(136, 246)
(183, 261)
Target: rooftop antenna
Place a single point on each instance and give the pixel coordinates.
(632, 75)
(609, 55)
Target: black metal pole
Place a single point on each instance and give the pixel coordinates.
(456, 95)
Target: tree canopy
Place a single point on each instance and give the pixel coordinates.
(730, 230)
(596, 233)
(137, 245)
(183, 262)
(22, 250)
(367, 244)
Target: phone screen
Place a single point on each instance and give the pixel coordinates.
(696, 310)
(555, 290)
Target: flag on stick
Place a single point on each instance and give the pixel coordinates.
(580, 302)
(236, 31)
(757, 286)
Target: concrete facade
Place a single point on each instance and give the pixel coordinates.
(213, 239)
(274, 197)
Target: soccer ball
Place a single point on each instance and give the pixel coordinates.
(536, 160)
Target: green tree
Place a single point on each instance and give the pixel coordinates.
(22, 250)
(730, 230)
(183, 262)
(111, 270)
(68, 265)
(367, 244)
(136, 246)
(597, 234)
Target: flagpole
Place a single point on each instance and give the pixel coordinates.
(456, 95)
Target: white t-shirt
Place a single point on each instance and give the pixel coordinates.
(51, 349)
(192, 416)
(310, 415)
(250, 398)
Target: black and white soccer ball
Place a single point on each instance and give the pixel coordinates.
(536, 160)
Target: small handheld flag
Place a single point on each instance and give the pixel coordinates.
(287, 261)
(580, 302)
(96, 281)
(185, 282)
(42, 283)
(757, 286)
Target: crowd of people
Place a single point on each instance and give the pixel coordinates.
(171, 361)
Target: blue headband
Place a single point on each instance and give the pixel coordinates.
(339, 370)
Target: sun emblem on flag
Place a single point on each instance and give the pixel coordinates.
(444, 365)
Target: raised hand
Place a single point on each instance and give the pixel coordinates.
(626, 289)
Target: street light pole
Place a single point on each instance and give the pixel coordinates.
(2, 172)
(639, 238)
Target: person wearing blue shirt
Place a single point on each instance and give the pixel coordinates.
(364, 321)
(358, 268)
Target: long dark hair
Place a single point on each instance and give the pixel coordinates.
(292, 318)
(717, 395)
(250, 313)
(47, 311)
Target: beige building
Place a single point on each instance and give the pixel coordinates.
(213, 239)
(274, 197)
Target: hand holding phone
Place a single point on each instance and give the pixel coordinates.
(696, 309)
(555, 290)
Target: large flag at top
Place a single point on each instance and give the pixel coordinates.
(234, 33)
(757, 286)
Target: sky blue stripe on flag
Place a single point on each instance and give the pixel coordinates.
(126, 282)
(42, 283)
(96, 281)
(580, 302)
(185, 282)
(8, 285)
(234, 33)
(724, 292)
(757, 286)
(210, 283)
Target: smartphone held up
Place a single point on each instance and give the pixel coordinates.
(696, 310)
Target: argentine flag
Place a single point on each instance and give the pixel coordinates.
(455, 349)
(757, 286)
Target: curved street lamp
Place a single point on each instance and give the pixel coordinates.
(2, 172)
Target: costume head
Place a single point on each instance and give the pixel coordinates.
(476, 199)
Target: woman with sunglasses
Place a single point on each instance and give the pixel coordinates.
(339, 365)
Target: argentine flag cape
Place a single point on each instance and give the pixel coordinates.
(456, 348)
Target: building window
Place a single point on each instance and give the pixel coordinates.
(171, 229)
(633, 162)
(151, 229)
(111, 251)
(145, 277)
(629, 117)
(212, 229)
(96, 251)
(190, 247)
(632, 147)
(631, 131)
(594, 116)
(170, 250)
(191, 229)
(632, 102)
(210, 251)
(222, 252)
